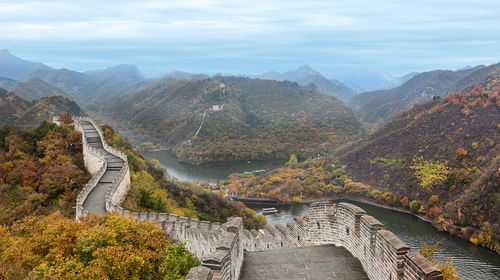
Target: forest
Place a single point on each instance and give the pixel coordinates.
(261, 119)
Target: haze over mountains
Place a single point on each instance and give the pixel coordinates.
(305, 75)
(381, 106)
(97, 84)
(391, 97)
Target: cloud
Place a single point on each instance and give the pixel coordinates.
(385, 33)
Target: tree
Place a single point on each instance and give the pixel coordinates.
(66, 119)
(262, 219)
(415, 206)
(292, 161)
(448, 270)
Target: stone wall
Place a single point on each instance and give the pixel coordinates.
(381, 253)
(220, 246)
(96, 164)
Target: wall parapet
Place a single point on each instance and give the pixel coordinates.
(96, 164)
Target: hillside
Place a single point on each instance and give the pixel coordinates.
(47, 108)
(305, 75)
(180, 75)
(24, 113)
(35, 88)
(379, 107)
(16, 68)
(440, 159)
(12, 106)
(260, 119)
(384, 105)
(473, 78)
(447, 147)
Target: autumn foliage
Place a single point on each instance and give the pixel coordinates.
(110, 246)
(151, 191)
(41, 171)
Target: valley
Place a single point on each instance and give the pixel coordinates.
(429, 145)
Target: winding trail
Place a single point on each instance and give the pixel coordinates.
(95, 202)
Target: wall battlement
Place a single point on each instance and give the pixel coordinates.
(220, 246)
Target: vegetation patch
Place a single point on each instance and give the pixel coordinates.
(388, 162)
(430, 173)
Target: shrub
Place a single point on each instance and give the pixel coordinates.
(390, 161)
(433, 201)
(415, 206)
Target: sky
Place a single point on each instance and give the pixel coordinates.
(231, 36)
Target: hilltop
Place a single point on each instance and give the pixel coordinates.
(259, 119)
(379, 107)
(34, 80)
(12, 105)
(15, 68)
(32, 88)
(30, 114)
(305, 75)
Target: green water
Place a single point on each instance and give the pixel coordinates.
(210, 172)
(472, 262)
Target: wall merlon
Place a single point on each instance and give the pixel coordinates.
(216, 260)
(353, 208)
(423, 266)
(394, 241)
(199, 273)
(227, 241)
(371, 222)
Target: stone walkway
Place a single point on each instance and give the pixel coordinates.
(316, 262)
(96, 200)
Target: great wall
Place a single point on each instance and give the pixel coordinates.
(222, 248)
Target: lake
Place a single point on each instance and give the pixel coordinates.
(210, 172)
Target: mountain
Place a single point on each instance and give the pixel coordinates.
(113, 80)
(447, 147)
(254, 119)
(35, 88)
(378, 107)
(7, 83)
(76, 84)
(95, 84)
(12, 106)
(386, 104)
(48, 107)
(16, 68)
(367, 79)
(305, 75)
(473, 77)
(180, 75)
(30, 114)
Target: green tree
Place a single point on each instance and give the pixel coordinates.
(414, 206)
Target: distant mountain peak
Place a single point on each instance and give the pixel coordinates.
(17, 68)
